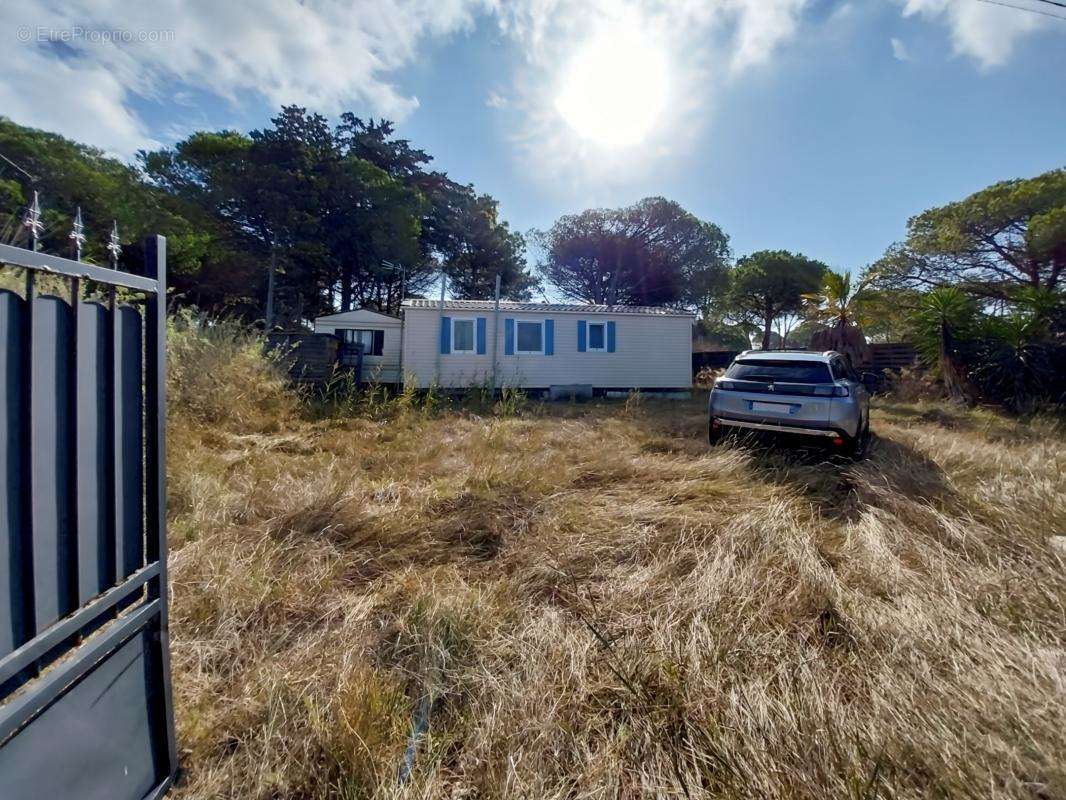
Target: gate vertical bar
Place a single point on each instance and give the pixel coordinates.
(73, 444)
(29, 597)
(51, 515)
(96, 548)
(14, 583)
(155, 267)
(129, 451)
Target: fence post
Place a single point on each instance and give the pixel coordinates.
(155, 341)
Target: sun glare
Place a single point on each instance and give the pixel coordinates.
(615, 88)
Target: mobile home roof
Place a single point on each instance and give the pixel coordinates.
(543, 308)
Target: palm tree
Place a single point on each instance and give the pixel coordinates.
(835, 306)
(945, 319)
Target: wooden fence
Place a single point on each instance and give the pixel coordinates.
(886, 355)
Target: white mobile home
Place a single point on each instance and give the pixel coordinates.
(539, 345)
(380, 335)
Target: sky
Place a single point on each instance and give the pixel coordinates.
(812, 125)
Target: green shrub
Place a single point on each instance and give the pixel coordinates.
(219, 374)
(1012, 357)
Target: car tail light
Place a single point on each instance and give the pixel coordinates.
(838, 442)
(831, 391)
(726, 386)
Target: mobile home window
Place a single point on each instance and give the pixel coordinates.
(462, 336)
(529, 337)
(598, 336)
(372, 341)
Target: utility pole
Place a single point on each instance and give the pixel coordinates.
(269, 321)
(495, 333)
(403, 322)
(403, 277)
(440, 320)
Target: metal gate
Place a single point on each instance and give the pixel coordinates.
(85, 700)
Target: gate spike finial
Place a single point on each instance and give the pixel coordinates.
(114, 245)
(32, 221)
(77, 235)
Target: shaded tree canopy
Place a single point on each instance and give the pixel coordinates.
(714, 333)
(338, 206)
(319, 208)
(475, 246)
(651, 253)
(1008, 235)
(769, 283)
(268, 189)
(883, 313)
(461, 232)
(68, 175)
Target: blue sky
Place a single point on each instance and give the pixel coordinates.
(813, 126)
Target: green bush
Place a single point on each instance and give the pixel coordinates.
(219, 374)
(1011, 356)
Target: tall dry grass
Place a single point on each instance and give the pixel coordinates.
(585, 601)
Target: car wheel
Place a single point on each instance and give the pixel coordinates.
(857, 447)
(714, 433)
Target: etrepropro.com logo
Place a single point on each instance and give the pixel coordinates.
(80, 33)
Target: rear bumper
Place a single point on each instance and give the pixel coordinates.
(818, 416)
(774, 428)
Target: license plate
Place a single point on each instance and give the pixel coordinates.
(773, 408)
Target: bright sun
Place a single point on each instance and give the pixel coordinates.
(615, 88)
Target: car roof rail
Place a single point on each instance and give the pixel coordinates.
(785, 350)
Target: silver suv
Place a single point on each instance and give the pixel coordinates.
(815, 395)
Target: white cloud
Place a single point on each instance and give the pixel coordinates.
(985, 32)
(761, 27)
(899, 49)
(331, 55)
(326, 54)
(86, 103)
(707, 43)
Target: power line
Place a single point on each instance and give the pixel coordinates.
(1052, 3)
(20, 169)
(1030, 10)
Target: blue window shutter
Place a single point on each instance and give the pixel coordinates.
(445, 335)
(582, 336)
(508, 337)
(610, 336)
(481, 336)
(549, 337)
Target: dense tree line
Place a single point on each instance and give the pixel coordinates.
(283, 223)
(981, 284)
(1007, 236)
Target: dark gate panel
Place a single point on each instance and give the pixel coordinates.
(95, 742)
(96, 543)
(14, 568)
(129, 444)
(85, 699)
(50, 468)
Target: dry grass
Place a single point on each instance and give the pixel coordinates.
(586, 602)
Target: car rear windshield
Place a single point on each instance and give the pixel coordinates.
(780, 371)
